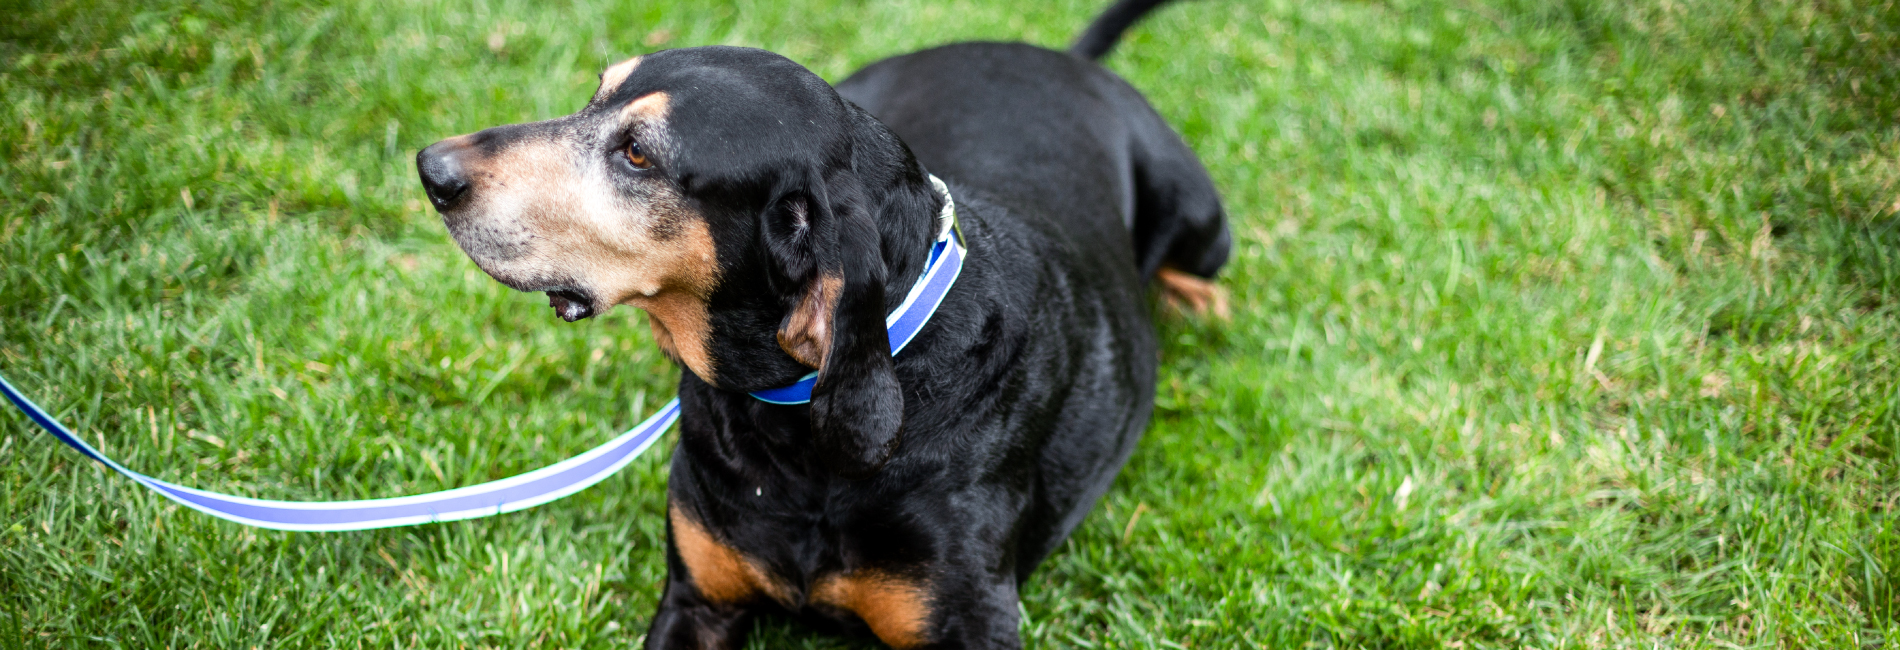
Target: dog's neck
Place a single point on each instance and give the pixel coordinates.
(906, 204)
(908, 226)
(906, 208)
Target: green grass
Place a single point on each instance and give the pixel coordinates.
(1558, 325)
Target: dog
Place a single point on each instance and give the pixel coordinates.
(767, 223)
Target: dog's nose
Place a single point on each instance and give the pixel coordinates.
(442, 175)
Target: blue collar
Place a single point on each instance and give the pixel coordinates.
(940, 272)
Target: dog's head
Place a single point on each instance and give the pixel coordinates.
(754, 214)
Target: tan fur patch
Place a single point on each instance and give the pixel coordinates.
(897, 609)
(1189, 293)
(460, 141)
(681, 326)
(722, 575)
(651, 106)
(615, 75)
(806, 334)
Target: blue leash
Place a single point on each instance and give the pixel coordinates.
(492, 498)
(524, 490)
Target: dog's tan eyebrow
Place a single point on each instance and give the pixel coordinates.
(651, 106)
(615, 74)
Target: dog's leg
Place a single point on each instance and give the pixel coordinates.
(965, 607)
(1180, 229)
(1191, 294)
(686, 621)
(980, 614)
(706, 602)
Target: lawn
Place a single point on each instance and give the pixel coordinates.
(1556, 325)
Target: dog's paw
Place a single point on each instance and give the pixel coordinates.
(1192, 295)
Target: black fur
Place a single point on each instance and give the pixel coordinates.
(961, 463)
(1100, 37)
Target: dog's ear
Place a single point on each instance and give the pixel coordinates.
(824, 239)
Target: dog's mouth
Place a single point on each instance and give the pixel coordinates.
(571, 305)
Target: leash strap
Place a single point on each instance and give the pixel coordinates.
(525, 490)
(491, 498)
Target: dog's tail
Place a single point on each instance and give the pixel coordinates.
(1100, 37)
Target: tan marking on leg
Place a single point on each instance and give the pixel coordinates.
(723, 575)
(806, 331)
(897, 609)
(615, 74)
(1189, 293)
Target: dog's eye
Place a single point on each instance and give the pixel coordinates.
(636, 157)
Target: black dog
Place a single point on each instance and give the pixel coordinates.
(767, 225)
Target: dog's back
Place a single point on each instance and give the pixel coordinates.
(1057, 136)
(1059, 150)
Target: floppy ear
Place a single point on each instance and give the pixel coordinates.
(826, 238)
